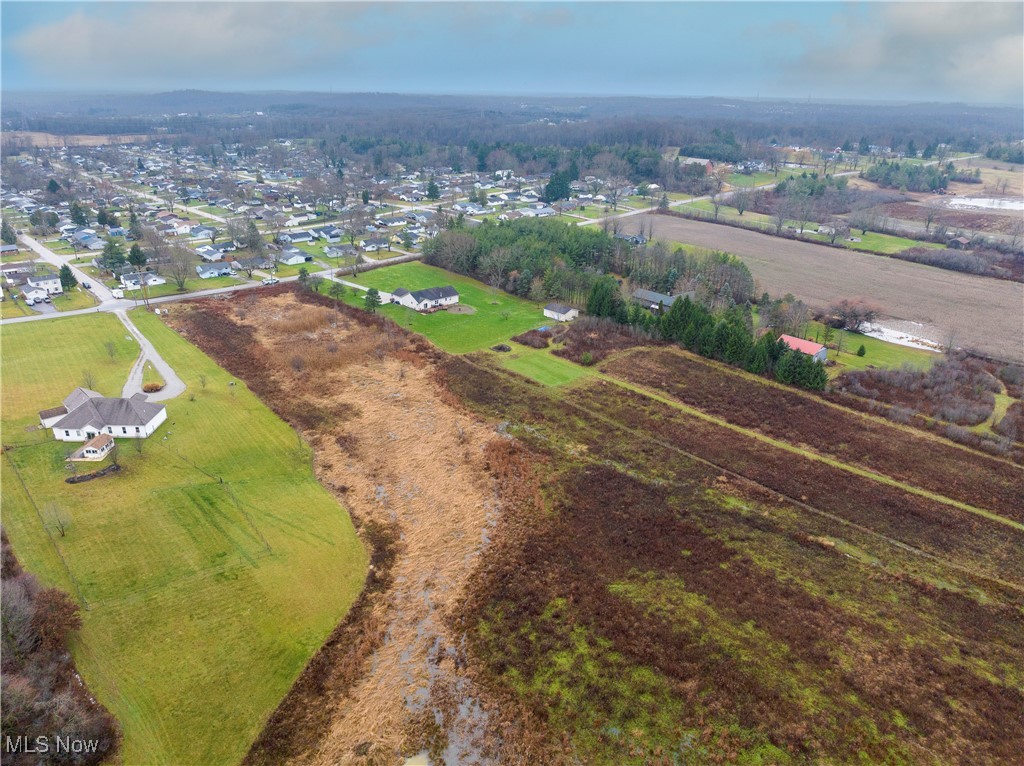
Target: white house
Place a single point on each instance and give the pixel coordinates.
(294, 259)
(210, 270)
(87, 414)
(134, 281)
(815, 350)
(49, 282)
(431, 297)
(560, 312)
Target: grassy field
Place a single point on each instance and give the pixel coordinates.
(498, 315)
(76, 299)
(540, 365)
(212, 566)
(10, 308)
(171, 288)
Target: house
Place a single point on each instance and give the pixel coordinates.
(341, 251)
(374, 244)
(97, 448)
(210, 270)
(329, 234)
(633, 239)
(49, 282)
(708, 167)
(89, 414)
(422, 300)
(209, 253)
(256, 262)
(560, 312)
(8, 249)
(202, 231)
(290, 238)
(134, 281)
(651, 300)
(809, 347)
(292, 256)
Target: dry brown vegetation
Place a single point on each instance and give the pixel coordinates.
(707, 594)
(410, 468)
(979, 313)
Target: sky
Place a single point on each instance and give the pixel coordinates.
(864, 51)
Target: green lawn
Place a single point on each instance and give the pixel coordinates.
(213, 564)
(879, 353)
(498, 315)
(541, 365)
(60, 247)
(744, 181)
(171, 287)
(76, 299)
(10, 308)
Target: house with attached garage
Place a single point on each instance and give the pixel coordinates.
(292, 237)
(86, 414)
(426, 300)
(292, 256)
(815, 350)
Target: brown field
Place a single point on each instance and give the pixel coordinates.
(410, 468)
(799, 418)
(658, 585)
(981, 314)
(34, 138)
(612, 603)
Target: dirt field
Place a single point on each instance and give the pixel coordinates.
(981, 314)
(399, 457)
(34, 138)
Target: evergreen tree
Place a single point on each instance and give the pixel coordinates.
(77, 214)
(433, 192)
(53, 187)
(862, 350)
(372, 300)
(113, 255)
(757, 363)
(601, 302)
(67, 278)
(7, 234)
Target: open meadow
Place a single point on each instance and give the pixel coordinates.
(209, 569)
(497, 317)
(979, 313)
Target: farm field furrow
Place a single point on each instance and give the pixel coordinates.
(799, 419)
(980, 313)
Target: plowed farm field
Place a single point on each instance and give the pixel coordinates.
(979, 313)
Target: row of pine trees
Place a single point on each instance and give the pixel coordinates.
(726, 336)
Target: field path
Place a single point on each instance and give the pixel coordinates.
(173, 385)
(978, 313)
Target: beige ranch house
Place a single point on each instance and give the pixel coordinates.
(86, 414)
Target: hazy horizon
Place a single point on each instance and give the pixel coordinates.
(829, 52)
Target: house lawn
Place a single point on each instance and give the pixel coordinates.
(213, 565)
(76, 299)
(171, 288)
(878, 353)
(456, 333)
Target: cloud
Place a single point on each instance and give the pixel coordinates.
(111, 46)
(921, 51)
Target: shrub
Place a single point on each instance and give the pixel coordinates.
(587, 359)
(150, 388)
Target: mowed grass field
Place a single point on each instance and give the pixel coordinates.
(209, 569)
(498, 315)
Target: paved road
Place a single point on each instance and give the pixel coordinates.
(173, 385)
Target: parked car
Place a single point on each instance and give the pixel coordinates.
(29, 302)
(46, 299)
(271, 281)
(87, 285)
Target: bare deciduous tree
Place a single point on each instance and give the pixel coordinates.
(180, 267)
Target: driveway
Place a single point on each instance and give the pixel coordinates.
(173, 385)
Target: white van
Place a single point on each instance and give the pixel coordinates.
(117, 292)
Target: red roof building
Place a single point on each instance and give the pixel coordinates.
(808, 347)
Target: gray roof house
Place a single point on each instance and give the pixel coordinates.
(88, 413)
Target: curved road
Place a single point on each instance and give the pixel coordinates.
(173, 385)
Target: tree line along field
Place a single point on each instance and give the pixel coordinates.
(209, 569)
(977, 313)
(662, 588)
